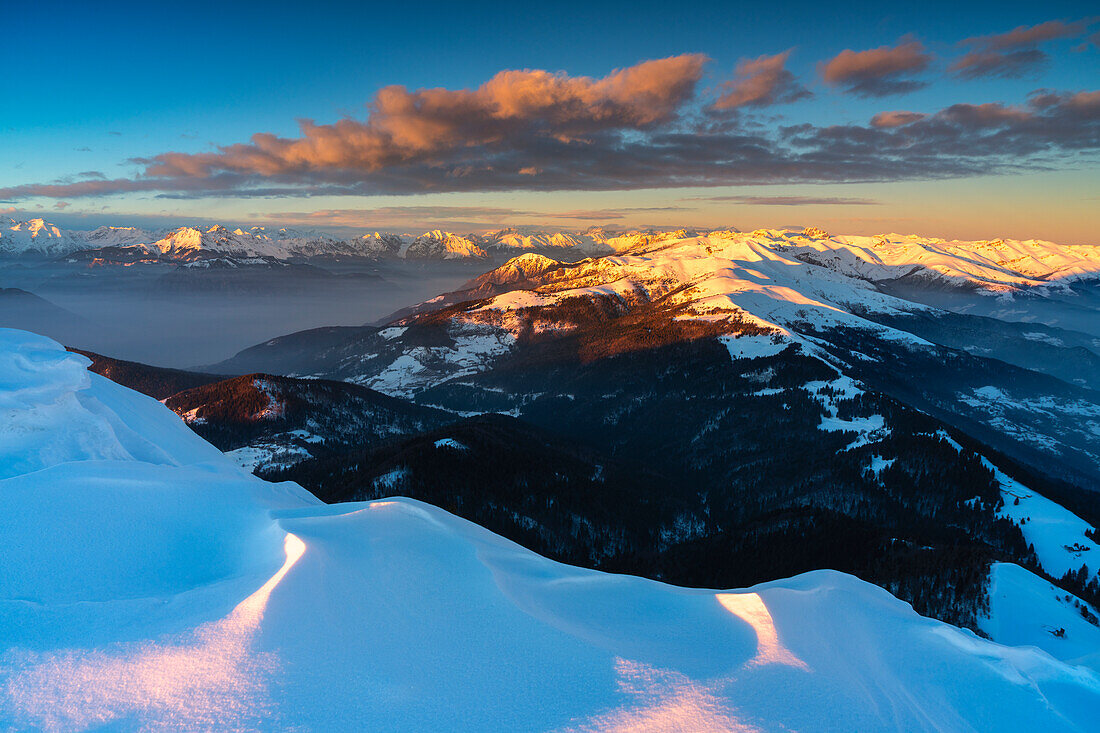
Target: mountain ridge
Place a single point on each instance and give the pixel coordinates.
(997, 266)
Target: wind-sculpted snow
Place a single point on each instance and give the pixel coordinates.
(53, 410)
(166, 589)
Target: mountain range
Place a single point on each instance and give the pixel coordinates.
(997, 265)
(723, 409)
(37, 238)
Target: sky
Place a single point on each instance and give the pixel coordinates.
(961, 120)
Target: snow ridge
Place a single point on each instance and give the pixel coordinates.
(168, 589)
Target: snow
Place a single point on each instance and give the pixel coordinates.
(753, 347)
(392, 479)
(306, 436)
(879, 464)
(53, 410)
(719, 277)
(1004, 410)
(392, 333)
(475, 347)
(156, 585)
(451, 444)
(1045, 338)
(995, 266)
(267, 455)
(1057, 533)
(869, 429)
(1026, 610)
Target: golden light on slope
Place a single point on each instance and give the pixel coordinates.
(209, 678)
(750, 608)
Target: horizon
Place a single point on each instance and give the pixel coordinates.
(971, 126)
(163, 228)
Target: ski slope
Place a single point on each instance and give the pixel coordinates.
(148, 583)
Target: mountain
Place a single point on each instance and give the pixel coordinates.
(556, 496)
(148, 583)
(795, 420)
(264, 421)
(998, 265)
(107, 236)
(892, 261)
(35, 238)
(439, 245)
(681, 289)
(157, 382)
(25, 310)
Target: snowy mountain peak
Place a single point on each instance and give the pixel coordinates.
(438, 244)
(993, 265)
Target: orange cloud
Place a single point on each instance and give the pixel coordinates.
(897, 118)
(761, 81)
(878, 72)
(404, 127)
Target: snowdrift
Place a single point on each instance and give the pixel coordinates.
(146, 582)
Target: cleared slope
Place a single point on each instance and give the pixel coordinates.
(171, 590)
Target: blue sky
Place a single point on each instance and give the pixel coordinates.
(100, 85)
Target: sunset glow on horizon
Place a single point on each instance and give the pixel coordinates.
(985, 126)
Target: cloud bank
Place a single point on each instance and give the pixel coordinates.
(645, 126)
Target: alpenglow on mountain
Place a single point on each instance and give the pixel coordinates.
(993, 264)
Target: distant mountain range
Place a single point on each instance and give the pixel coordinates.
(724, 409)
(996, 265)
(37, 238)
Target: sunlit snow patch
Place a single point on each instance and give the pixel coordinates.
(206, 678)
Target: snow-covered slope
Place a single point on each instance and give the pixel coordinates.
(998, 265)
(725, 282)
(148, 583)
(1025, 610)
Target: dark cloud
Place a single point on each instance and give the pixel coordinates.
(1013, 54)
(1022, 36)
(793, 200)
(878, 72)
(605, 214)
(1005, 64)
(399, 216)
(761, 82)
(896, 118)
